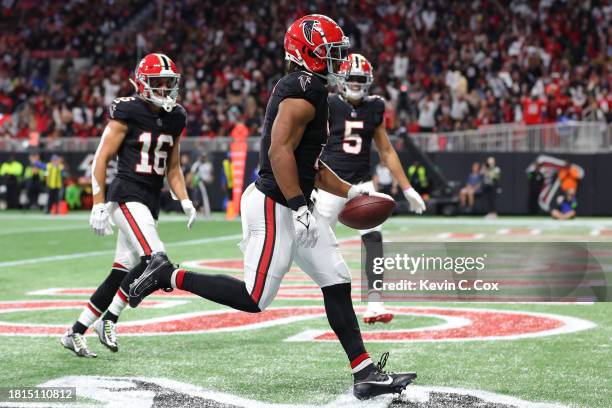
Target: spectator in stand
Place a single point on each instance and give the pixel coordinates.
(11, 172)
(566, 206)
(383, 180)
(204, 176)
(427, 113)
(34, 180)
(472, 187)
(421, 48)
(491, 180)
(419, 179)
(54, 178)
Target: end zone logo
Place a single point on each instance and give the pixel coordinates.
(161, 392)
(458, 324)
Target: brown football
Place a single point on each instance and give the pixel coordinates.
(366, 211)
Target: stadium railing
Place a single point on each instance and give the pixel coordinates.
(567, 137)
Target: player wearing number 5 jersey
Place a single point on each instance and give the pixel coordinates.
(355, 119)
(143, 132)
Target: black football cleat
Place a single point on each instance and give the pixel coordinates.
(379, 382)
(150, 281)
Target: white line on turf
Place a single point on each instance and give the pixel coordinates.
(77, 255)
(44, 229)
(84, 216)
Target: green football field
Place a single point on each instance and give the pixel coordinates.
(180, 350)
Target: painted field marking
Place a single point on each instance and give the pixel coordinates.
(519, 231)
(460, 324)
(460, 235)
(484, 325)
(43, 229)
(78, 255)
(144, 392)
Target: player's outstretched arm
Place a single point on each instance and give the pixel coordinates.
(176, 181)
(111, 140)
(388, 156)
(329, 181)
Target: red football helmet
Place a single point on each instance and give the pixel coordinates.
(318, 44)
(357, 77)
(156, 80)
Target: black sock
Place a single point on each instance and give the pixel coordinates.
(79, 328)
(343, 321)
(222, 289)
(109, 316)
(103, 296)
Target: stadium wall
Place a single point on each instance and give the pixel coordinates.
(594, 194)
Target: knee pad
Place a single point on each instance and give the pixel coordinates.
(372, 237)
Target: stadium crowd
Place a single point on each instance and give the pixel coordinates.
(441, 65)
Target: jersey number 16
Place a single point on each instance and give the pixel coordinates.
(159, 156)
(351, 143)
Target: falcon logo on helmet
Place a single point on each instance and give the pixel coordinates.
(156, 80)
(307, 27)
(357, 77)
(317, 43)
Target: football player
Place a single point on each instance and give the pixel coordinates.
(144, 132)
(279, 224)
(355, 119)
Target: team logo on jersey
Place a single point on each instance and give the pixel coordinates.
(159, 122)
(304, 80)
(308, 26)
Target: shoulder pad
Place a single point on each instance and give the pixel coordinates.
(122, 108)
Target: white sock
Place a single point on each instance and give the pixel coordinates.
(119, 303)
(89, 315)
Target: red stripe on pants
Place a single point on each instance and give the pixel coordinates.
(268, 250)
(136, 229)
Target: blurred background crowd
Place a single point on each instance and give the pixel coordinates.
(441, 65)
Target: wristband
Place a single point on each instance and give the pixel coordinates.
(296, 202)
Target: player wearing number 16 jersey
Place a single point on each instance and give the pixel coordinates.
(143, 132)
(355, 120)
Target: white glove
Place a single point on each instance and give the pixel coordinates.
(189, 211)
(414, 199)
(354, 191)
(100, 221)
(306, 229)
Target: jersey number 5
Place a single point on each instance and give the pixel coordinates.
(351, 143)
(159, 156)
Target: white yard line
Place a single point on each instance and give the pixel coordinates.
(502, 222)
(54, 258)
(84, 216)
(44, 229)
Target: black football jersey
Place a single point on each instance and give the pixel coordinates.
(299, 85)
(347, 151)
(143, 154)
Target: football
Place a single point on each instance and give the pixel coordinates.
(366, 211)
